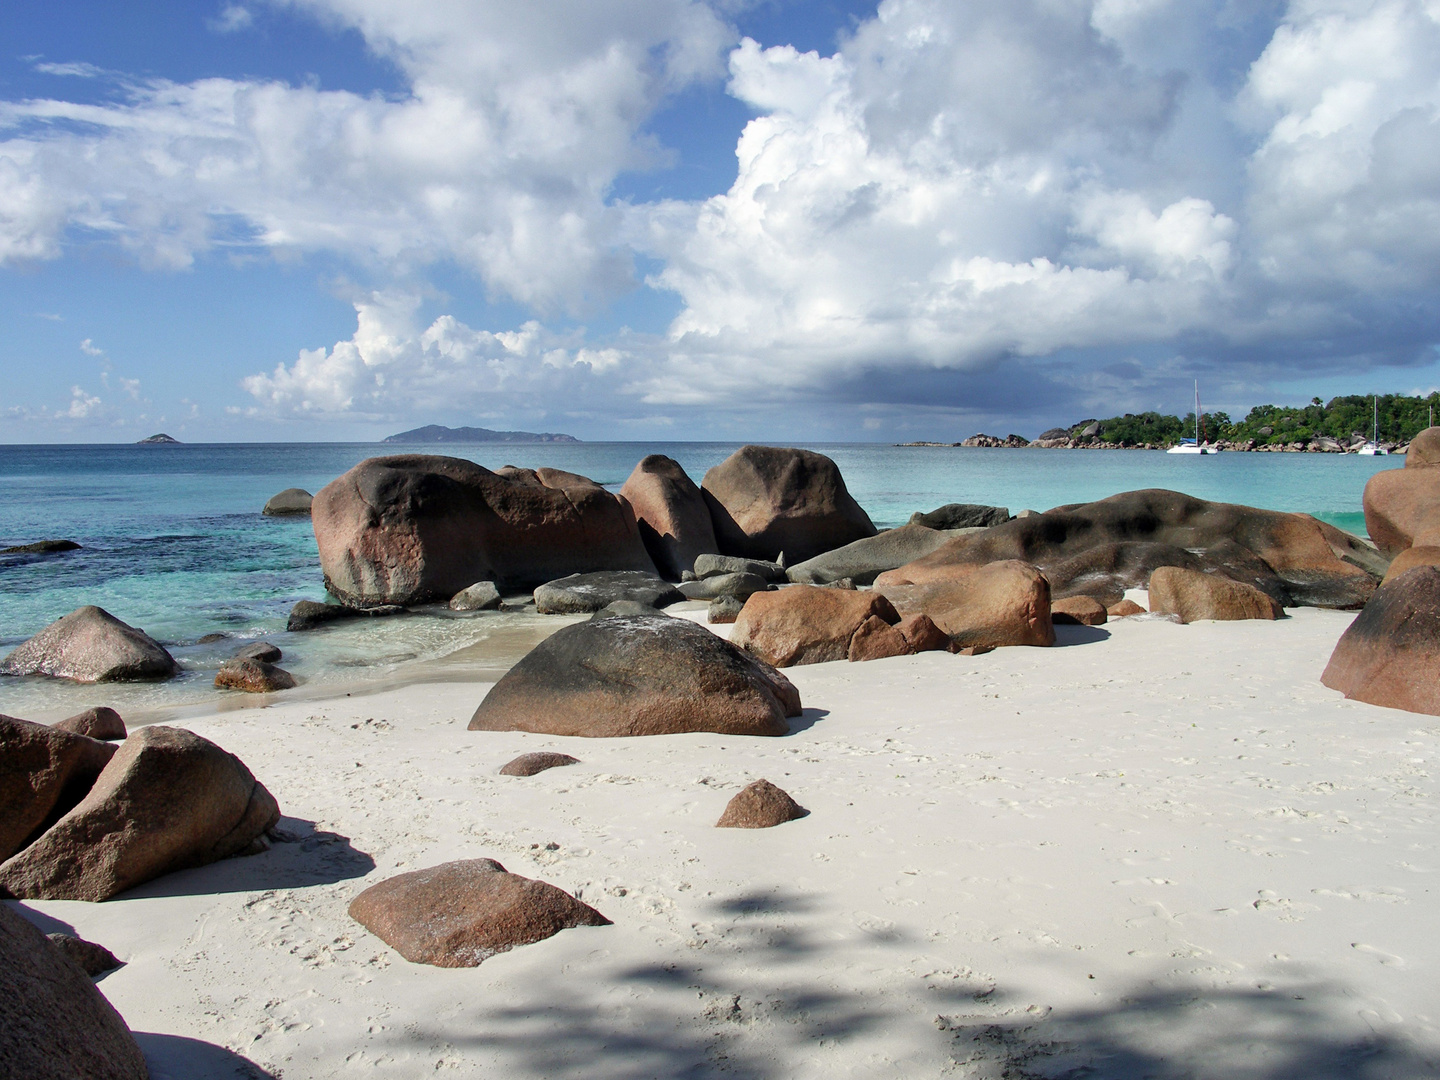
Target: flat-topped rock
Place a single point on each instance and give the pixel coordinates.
(962, 516)
(537, 762)
(42, 547)
(415, 528)
(709, 566)
(718, 585)
(760, 805)
(863, 560)
(460, 914)
(765, 500)
(167, 800)
(89, 646)
(580, 594)
(638, 675)
(308, 614)
(671, 512)
(55, 1024)
(263, 651)
(1078, 610)
(292, 502)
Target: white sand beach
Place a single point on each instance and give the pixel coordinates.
(1155, 850)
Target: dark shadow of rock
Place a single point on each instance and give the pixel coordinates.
(47, 924)
(174, 1057)
(806, 720)
(300, 855)
(1069, 634)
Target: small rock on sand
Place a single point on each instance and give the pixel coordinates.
(760, 805)
(460, 914)
(93, 959)
(1194, 596)
(1084, 610)
(482, 596)
(1124, 609)
(537, 762)
(724, 609)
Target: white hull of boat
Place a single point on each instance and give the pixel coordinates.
(1191, 448)
(1371, 450)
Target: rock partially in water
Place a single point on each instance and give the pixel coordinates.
(292, 502)
(460, 914)
(253, 677)
(308, 614)
(482, 596)
(41, 547)
(90, 645)
(416, 528)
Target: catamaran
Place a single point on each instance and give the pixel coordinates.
(1194, 446)
(1373, 447)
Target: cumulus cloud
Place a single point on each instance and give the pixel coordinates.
(962, 187)
(393, 366)
(500, 158)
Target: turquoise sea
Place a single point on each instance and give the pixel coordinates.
(173, 539)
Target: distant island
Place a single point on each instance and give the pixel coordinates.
(434, 433)
(161, 438)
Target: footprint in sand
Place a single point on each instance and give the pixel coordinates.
(1385, 958)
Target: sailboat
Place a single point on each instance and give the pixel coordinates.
(1194, 446)
(1373, 447)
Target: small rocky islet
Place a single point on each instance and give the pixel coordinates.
(771, 537)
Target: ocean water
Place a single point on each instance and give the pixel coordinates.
(173, 540)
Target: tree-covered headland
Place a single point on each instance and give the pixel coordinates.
(1341, 418)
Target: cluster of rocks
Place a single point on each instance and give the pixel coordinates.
(981, 439)
(1390, 654)
(83, 819)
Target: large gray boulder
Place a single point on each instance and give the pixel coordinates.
(415, 528)
(167, 800)
(581, 594)
(292, 502)
(54, 1023)
(90, 645)
(638, 675)
(765, 500)
(674, 521)
(864, 560)
(708, 566)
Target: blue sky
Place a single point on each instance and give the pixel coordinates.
(336, 219)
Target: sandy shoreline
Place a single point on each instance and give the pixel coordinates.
(1157, 850)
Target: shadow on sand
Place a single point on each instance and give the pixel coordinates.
(174, 1057)
(1067, 634)
(765, 995)
(300, 855)
(806, 720)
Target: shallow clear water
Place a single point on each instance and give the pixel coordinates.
(173, 539)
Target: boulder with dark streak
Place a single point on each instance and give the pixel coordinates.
(1390, 654)
(1294, 547)
(415, 528)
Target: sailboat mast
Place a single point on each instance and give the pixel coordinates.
(1197, 412)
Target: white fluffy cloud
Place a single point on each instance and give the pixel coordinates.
(963, 184)
(500, 158)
